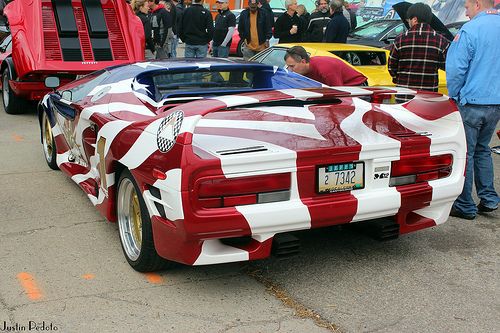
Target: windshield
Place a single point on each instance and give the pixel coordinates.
(372, 29)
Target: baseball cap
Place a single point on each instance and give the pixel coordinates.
(222, 1)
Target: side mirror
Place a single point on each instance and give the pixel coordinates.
(388, 40)
(52, 82)
(67, 95)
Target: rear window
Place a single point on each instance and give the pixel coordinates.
(168, 84)
(362, 58)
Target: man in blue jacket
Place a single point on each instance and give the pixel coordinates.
(471, 68)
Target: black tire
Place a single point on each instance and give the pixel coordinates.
(12, 104)
(239, 49)
(140, 254)
(48, 143)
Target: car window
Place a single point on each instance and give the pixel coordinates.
(372, 29)
(362, 58)
(261, 55)
(169, 84)
(85, 85)
(396, 31)
(276, 57)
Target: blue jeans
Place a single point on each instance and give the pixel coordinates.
(173, 47)
(195, 51)
(220, 51)
(479, 123)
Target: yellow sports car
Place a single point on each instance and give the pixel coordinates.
(371, 61)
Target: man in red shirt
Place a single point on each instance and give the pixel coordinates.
(327, 70)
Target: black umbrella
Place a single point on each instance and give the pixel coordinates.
(402, 7)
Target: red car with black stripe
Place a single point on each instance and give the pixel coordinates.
(63, 38)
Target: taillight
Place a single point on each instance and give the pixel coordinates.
(230, 192)
(418, 169)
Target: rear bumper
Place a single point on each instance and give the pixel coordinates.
(198, 238)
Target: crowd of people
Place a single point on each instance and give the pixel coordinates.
(415, 58)
(167, 21)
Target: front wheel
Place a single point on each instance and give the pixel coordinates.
(12, 104)
(49, 143)
(134, 224)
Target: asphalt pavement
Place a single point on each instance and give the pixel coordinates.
(62, 269)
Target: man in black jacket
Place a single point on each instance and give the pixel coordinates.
(318, 22)
(197, 30)
(289, 27)
(254, 29)
(264, 4)
(338, 27)
(161, 23)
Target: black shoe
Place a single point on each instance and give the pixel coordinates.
(456, 213)
(483, 209)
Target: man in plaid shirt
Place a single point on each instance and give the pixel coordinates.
(418, 53)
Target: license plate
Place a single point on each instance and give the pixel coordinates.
(341, 177)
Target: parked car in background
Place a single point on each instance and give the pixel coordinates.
(237, 43)
(370, 61)
(378, 33)
(212, 161)
(63, 38)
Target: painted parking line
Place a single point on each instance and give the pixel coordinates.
(18, 138)
(154, 278)
(29, 285)
(88, 276)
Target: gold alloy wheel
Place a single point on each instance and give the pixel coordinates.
(129, 219)
(136, 219)
(48, 143)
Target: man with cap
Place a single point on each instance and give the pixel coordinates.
(225, 23)
(254, 29)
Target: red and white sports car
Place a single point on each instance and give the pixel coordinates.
(208, 161)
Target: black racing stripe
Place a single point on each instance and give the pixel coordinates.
(98, 30)
(67, 30)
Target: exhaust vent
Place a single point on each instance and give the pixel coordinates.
(245, 150)
(410, 134)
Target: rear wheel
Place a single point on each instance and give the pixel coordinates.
(239, 49)
(134, 224)
(48, 143)
(12, 104)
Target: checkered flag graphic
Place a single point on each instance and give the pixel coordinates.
(169, 130)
